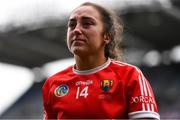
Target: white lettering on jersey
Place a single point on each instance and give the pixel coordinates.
(142, 99)
(87, 82)
(82, 93)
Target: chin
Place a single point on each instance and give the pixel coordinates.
(79, 51)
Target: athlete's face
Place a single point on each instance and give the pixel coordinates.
(85, 32)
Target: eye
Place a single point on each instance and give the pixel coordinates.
(87, 24)
(72, 24)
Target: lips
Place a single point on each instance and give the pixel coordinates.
(78, 40)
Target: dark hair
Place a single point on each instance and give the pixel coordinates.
(112, 27)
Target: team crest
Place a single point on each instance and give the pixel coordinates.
(61, 90)
(106, 85)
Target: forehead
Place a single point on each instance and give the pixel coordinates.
(85, 11)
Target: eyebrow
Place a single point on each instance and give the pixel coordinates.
(83, 18)
(88, 18)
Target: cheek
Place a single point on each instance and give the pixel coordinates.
(96, 33)
(69, 35)
(98, 37)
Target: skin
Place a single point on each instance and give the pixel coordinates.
(85, 38)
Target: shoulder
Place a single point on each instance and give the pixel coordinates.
(124, 66)
(126, 70)
(62, 73)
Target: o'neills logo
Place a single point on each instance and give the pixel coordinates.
(142, 99)
(61, 90)
(87, 82)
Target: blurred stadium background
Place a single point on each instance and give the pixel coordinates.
(32, 47)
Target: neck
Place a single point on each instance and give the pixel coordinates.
(90, 62)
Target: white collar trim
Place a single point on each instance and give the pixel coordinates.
(94, 70)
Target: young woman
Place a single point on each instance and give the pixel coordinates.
(99, 85)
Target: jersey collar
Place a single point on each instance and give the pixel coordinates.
(94, 70)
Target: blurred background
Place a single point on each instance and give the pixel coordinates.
(33, 47)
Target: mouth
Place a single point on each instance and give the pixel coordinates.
(78, 40)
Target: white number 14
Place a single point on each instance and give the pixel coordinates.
(82, 93)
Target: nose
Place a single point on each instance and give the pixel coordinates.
(77, 29)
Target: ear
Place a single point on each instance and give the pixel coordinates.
(107, 38)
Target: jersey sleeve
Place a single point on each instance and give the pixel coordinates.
(141, 101)
(47, 108)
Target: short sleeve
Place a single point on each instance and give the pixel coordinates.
(141, 101)
(47, 107)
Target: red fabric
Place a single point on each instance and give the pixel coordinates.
(112, 92)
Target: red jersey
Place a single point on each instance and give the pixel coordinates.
(112, 90)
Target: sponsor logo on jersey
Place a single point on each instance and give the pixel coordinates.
(142, 99)
(61, 90)
(106, 84)
(87, 82)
